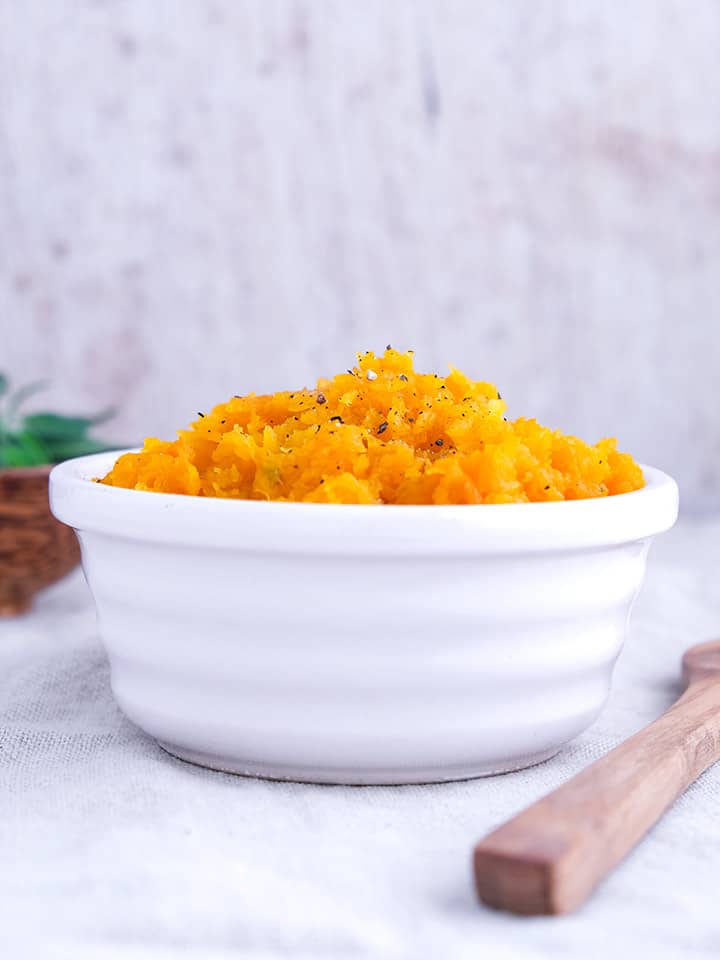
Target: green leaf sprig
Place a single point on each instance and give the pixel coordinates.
(39, 438)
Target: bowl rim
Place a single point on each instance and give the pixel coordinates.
(280, 526)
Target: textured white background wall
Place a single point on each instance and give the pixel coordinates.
(202, 197)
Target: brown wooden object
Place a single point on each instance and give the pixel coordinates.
(549, 858)
(35, 548)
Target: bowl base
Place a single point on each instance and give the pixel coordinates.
(354, 777)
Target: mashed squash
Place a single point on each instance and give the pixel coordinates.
(379, 433)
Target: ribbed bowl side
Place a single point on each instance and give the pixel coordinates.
(366, 669)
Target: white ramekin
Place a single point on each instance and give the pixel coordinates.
(360, 644)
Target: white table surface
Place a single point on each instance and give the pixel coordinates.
(110, 848)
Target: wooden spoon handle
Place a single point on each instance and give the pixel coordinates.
(550, 857)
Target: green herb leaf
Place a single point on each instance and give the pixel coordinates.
(107, 414)
(53, 426)
(60, 450)
(4, 384)
(17, 399)
(23, 450)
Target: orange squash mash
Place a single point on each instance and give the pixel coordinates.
(379, 433)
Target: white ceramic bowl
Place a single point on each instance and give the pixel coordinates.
(360, 644)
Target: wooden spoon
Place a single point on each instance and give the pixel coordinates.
(549, 858)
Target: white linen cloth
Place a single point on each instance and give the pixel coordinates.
(110, 848)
